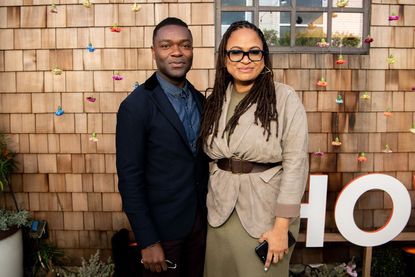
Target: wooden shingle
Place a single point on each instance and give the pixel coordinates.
(33, 17)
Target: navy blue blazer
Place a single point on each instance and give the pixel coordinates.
(160, 181)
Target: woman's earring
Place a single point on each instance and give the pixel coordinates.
(266, 70)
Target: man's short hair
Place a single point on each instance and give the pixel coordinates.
(170, 21)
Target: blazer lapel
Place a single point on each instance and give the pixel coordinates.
(166, 108)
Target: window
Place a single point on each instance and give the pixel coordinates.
(299, 26)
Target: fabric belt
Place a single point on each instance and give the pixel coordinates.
(241, 166)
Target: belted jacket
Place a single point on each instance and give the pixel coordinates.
(276, 192)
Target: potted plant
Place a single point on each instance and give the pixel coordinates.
(11, 241)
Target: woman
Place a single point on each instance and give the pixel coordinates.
(256, 131)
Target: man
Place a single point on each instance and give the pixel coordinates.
(162, 173)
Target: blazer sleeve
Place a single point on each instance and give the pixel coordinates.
(294, 158)
(130, 160)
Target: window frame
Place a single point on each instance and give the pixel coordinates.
(330, 9)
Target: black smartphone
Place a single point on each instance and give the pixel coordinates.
(262, 249)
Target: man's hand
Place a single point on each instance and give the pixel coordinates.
(153, 258)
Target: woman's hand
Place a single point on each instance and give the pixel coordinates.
(277, 239)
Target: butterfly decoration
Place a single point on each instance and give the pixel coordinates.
(340, 60)
(387, 149)
(336, 142)
(365, 96)
(388, 113)
(93, 137)
(391, 59)
(322, 82)
(86, 3)
(59, 111)
(393, 17)
(91, 99)
(53, 8)
(368, 39)
(362, 157)
(115, 28)
(339, 99)
(56, 70)
(90, 48)
(322, 43)
(135, 7)
(319, 153)
(117, 77)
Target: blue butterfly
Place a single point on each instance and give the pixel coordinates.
(90, 48)
(59, 111)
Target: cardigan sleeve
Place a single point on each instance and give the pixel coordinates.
(294, 157)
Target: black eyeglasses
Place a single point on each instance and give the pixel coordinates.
(236, 55)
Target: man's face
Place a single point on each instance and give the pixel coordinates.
(173, 52)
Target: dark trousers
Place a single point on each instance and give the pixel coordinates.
(187, 253)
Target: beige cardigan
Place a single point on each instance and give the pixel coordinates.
(260, 197)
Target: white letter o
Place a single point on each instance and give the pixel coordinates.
(348, 197)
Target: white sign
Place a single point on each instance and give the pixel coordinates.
(315, 212)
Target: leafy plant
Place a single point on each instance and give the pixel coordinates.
(42, 258)
(271, 36)
(7, 165)
(7, 162)
(387, 261)
(9, 219)
(324, 270)
(93, 267)
(345, 40)
(309, 37)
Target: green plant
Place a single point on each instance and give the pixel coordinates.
(387, 261)
(7, 165)
(93, 267)
(345, 40)
(10, 219)
(325, 270)
(271, 36)
(7, 162)
(309, 37)
(42, 258)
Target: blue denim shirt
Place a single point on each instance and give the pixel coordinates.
(186, 108)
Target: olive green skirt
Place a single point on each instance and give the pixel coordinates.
(230, 252)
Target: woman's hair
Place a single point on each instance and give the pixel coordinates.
(262, 92)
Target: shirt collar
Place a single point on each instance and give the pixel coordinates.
(171, 89)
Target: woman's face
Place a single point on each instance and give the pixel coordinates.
(245, 71)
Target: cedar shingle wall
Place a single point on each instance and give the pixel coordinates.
(70, 181)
